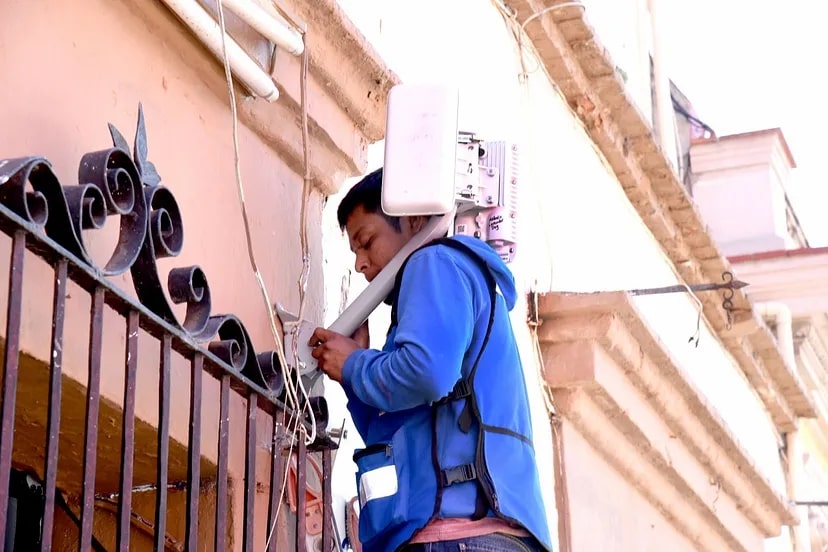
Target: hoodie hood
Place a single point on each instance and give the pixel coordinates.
(503, 277)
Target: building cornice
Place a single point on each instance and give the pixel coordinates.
(758, 141)
(796, 277)
(583, 71)
(616, 383)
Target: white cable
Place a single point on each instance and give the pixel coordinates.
(290, 393)
(519, 30)
(283, 488)
(303, 232)
(549, 9)
(287, 371)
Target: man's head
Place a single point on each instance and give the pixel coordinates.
(374, 236)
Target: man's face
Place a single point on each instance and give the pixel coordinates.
(375, 241)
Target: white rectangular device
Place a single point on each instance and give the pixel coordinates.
(420, 150)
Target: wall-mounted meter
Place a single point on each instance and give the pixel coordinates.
(486, 193)
(431, 168)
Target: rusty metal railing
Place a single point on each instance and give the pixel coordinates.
(49, 219)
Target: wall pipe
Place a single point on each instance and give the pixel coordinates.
(781, 314)
(664, 115)
(207, 29)
(276, 31)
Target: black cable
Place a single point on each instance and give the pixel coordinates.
(687, 115)
(96, 545)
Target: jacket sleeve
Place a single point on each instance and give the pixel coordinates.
(435, 321)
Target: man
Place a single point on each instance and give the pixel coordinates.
(448, 463)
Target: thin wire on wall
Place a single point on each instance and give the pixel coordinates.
(303, 231)
(549, 9)
(518, 30)
(303, 278)
(294, 428)
(291, 393)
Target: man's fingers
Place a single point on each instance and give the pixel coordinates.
(320, 335)
(316, 352)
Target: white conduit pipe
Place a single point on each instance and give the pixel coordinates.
(781, 313)
(664, 115)
(274, 30)
(207, 29)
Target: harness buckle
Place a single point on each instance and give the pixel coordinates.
(461, 390)
(458, 474)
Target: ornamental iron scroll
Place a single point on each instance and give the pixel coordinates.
(114, 182)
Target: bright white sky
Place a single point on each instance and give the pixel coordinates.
(753, 64)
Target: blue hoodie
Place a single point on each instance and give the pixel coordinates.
(443, 311)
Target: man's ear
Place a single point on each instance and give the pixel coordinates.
(415, 223)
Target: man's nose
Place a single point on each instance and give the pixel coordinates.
(361, 263)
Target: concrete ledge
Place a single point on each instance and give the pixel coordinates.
(615, 381)
(583, 70)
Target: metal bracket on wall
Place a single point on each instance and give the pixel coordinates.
(728, 285)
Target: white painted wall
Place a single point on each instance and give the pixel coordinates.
(625, 31)
(578, 231)
(740, 190)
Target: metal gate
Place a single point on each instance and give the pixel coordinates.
(49, 219)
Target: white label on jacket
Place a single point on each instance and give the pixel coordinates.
(377, 483)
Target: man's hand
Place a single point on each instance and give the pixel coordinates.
(331, 349)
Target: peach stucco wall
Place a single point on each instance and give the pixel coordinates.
(68, 70)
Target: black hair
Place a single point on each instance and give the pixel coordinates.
(367, 193)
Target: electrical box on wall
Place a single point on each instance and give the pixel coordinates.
(486, 189)
(432, 169)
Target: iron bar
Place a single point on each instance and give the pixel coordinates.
(730, 285)
(114, 181)
(327, 502)
(811, 502)
(163, 457)
(223, 453)
(128, 432)
(277, 466)
(194, 457)
(93, 388)
(51, 220)
(250, 474)
(301, 495)
(88, 278)
(95, 545)
(53, 419)
(11, 364)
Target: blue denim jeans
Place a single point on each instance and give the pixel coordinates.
(494, 542)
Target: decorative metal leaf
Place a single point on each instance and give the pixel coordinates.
(118, 139)
(149, 176)
(112, 183)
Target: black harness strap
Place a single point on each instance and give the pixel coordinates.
(463, 389)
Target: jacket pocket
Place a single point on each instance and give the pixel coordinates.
(382, 487)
